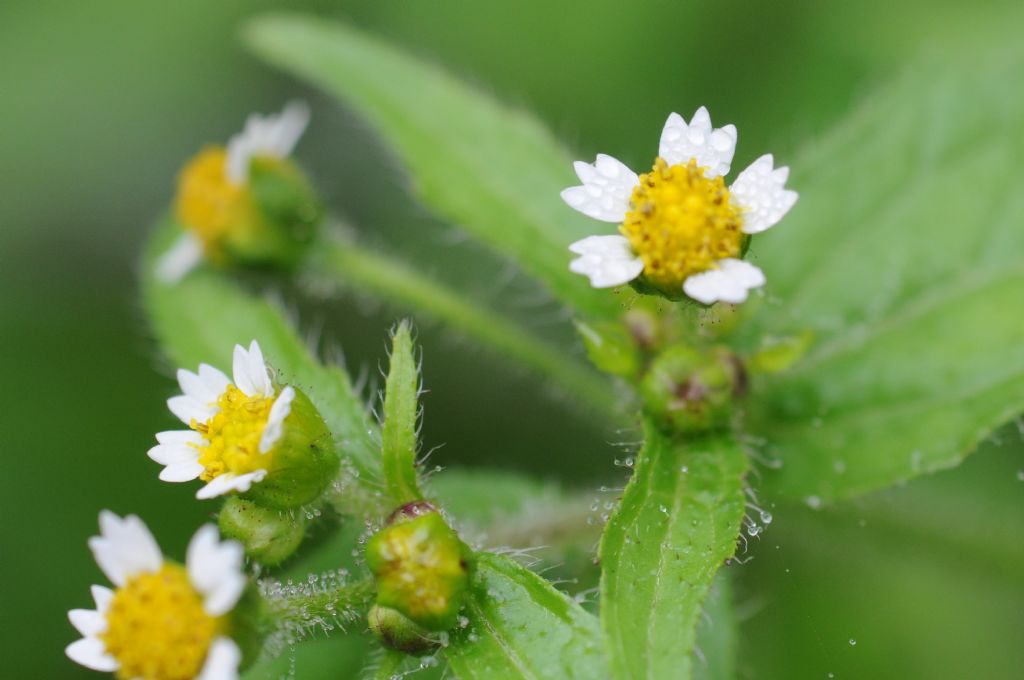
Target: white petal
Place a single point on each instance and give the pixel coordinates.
(250, 371)
(182, 258)
(181, 472)
(124, 548)
(92, 653)
(221, 661)
(607, 186)
(215, 569)
(274, 428)
(272, 135)
(187, 409)
(214, 379)
(228, 482)
(88, 622)
(199, 390)
(761, 193)
(730, 282)
(606, 260)
(713, 148)
(177, 447)
(102, 596)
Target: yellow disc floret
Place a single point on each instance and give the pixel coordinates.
(208, 203)
(680, 223)
(234, 435)
(157, 628)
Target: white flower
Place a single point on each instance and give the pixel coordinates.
(682, 229)
(270, 136)
(160, 613)
(232, 458)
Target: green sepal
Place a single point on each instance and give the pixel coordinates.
(399, 632)
(304, 462)
(422, 568)
(269, 535)
(284, 216)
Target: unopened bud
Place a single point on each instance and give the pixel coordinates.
(421, 567)
(269, 535)
(398, 632)
(687, 390)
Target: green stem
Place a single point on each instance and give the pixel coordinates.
(323, 602)
(342, 262)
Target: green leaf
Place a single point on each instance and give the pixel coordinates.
(401, 414)
(200, 318)
(677, 523)
(903, 257)
(520, 627)
(492, 171)
(342, 261)
(717, 634)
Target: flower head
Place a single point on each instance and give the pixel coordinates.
(163, 621)
(235, 426)
(245, 202)
(681, 228)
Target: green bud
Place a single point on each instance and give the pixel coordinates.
(269, 535)
(304, 461)
(398, 632)
(421, 566)
(692, 391)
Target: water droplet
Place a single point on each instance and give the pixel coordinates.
(853, 643)
(685, 469)
(766, 517)
(813, 502)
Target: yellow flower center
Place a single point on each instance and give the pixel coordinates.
(680, 223)
(208, 203)
(234, 435)
(157, 628)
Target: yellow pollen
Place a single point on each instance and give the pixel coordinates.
(680, 223)
(157, 628)
(208, 203)
(234, 435)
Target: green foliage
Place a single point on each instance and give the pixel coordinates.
(520, 627)
(903, 257)
(495, 172)
(342, 261)
(677, 522)
(401, 414)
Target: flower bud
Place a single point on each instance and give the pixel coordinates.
(692, 391)
(304, 461)
(397, 632)
(269, 535)
(421, 567)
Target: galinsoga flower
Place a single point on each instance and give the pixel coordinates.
(219, 203)
(681, 228)
(164, 621)
(235, 426)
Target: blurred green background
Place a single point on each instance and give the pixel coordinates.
(103, 101)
